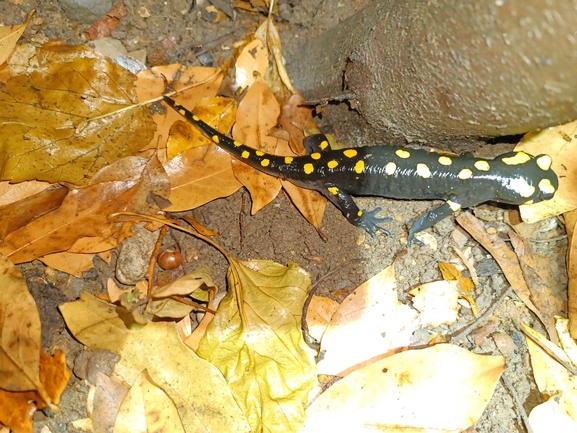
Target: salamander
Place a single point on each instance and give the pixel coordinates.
(401, 173)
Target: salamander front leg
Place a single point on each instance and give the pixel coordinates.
(367, 220)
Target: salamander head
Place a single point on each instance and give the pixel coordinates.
(529, 179)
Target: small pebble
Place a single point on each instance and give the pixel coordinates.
(504, 343)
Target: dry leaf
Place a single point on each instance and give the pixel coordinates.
(151, 83)
(13, 192)
(443, 388)
(370, 322)
(571, 226)
(109, 393)
(255, 340)
(84, 212)
(437, 302)
(319, 315)
(550, 417)
(552, 378)
(542, 294)
(257, 114)
(559, 143)
(252, 58)
(29, 379)
(9, 35)
(219, 113)
(89, 319)
(450, 272)
(204, 401)
(507, 261)
(310, 204)
(147, 408)
(71, 263)
(198, 176)
(20, 333)
(48, 132)
(103, 27)
(17, 214)
(295, 118)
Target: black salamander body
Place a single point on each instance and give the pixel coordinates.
(396, 172)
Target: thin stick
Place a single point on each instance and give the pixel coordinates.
(518, 402)
(483, 317)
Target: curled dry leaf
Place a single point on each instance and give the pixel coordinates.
(255, 340)
(69, 119)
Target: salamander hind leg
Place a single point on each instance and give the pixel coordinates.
(367, 220)
(452, 205)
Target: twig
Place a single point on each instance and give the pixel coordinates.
(518, 402)
(483, 317)
(555, 239)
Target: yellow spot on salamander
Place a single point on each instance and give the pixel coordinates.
(465, 174)
(181, 111)
(237, 143)
(332, 164)
(316, 155)
(215, 138)
(265, 162)
(521, 187)
(403, 154)
(546, 186)
(324, 144)
(544, 162)
(519, 158)
(454, 206)
(195, 118)
(308, 168)
(390, 168)
(359, 166)
(360, 213)
(482, 165)
(445, 160)
(423, 171)
(259, 153)
(288, 159)
(333, 190)
(245, 154)
(350, 153)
